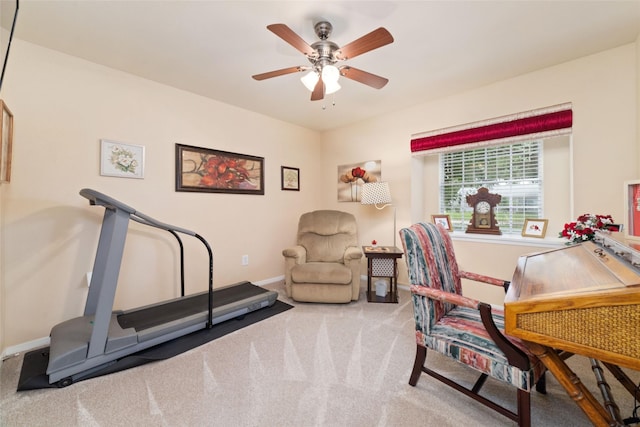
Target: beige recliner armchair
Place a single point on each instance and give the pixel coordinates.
(325, 264)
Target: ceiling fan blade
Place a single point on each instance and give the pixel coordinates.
(363, 77)
(287, 34)
(373, 40)
(318, 91)
(281, 72)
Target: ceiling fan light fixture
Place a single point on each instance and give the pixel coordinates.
(309, 80)
(330, 73)
(331, 87)
(324, 54)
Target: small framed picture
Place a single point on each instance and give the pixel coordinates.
(290, 178)
(6, 141)
(534, 228)
(121, 160)
(442, 220)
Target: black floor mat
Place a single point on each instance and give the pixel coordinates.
(34, 366)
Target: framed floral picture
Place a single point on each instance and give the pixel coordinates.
(290, 178)
(121, 160)
(443, 220)
(353, 176)
(534, 228)
(214, 171)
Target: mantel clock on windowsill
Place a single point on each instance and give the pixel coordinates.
(483, 219)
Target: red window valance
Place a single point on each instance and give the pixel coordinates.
(543, 122)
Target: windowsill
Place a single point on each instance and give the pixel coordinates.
(508, 239)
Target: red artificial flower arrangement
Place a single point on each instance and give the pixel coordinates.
(584, 228)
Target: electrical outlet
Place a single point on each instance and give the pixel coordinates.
(87, 278)
(245, 259)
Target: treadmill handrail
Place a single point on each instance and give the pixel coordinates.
(118, 214)
(100, 199)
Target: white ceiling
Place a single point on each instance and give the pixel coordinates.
(212, 48)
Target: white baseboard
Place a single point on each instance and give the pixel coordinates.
(269, 281)
(24, 347)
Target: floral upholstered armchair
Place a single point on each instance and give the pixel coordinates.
(464, 329)
(324, 266)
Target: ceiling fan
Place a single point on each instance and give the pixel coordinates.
(324, 54)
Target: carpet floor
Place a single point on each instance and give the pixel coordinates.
(314, 365)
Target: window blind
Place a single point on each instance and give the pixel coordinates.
(513, 170)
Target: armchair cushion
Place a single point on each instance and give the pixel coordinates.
(321, 272)
(326, 235)
(461, 335)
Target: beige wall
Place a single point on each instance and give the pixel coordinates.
(63, 106)
(602, 89)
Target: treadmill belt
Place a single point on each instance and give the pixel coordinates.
(164, 313)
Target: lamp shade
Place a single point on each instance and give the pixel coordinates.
(330, 73)
(310, 79)
(374, 193)
(331, 87)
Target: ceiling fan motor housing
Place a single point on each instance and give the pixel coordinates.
(325, 50)
(323, 29)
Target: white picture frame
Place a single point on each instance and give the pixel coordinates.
(535, 228)
(121, 160)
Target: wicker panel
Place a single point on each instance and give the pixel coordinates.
(612, 328)
(382, 267)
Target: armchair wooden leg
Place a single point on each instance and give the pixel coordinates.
(479, 383)
(421, 356)
(524, 408)
(523, 414)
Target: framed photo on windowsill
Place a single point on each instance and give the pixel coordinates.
(443, 220)
(535, 228)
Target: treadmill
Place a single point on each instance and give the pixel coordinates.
(85, 345)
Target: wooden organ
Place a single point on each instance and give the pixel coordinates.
(583, 299)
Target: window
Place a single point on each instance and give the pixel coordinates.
(514, 171)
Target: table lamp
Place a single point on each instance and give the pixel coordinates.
(379, 195)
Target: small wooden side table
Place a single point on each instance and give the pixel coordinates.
(382, 262)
